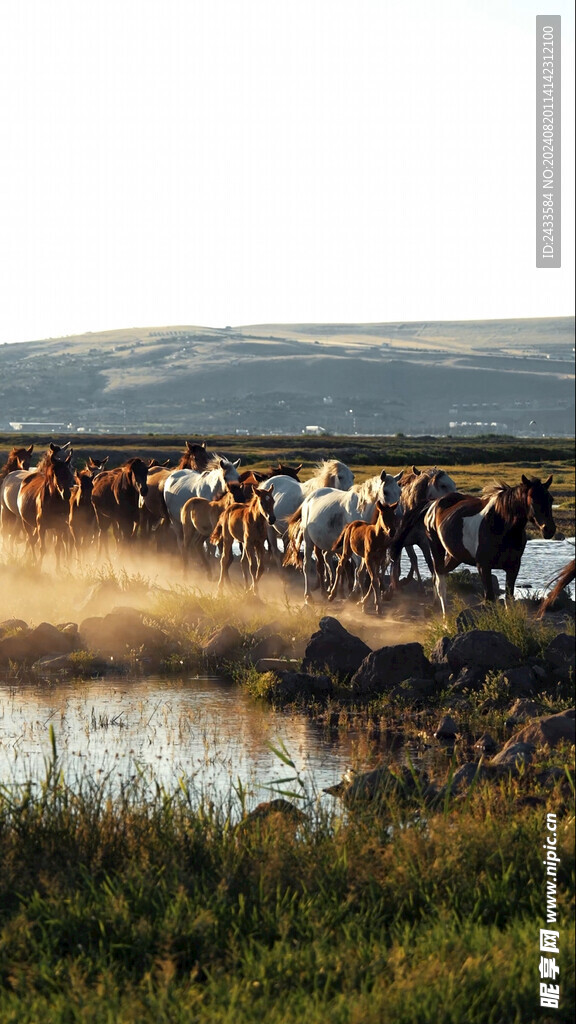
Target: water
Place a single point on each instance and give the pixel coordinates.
(206, 731)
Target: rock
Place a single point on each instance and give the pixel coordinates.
(383, 669)
(549, 731)
(522, 681)
(222, 643)
(439, 651)
(560, 655)
(447, 729)
(469, 679)
(482, 648)
(332, 648)
(272, 646)
(268, 629)
(373, 785)
(291, 686)
(468, 618)
(120, 633)
(11, 625)
(414, 690)
(32, 644)
(513, 752)
(463, 779)
(486, 744)
(523, 709)
(273, 812)
(276, 664)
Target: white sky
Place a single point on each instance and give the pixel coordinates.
(218, 162)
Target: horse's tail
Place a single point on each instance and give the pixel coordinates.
(561, 580)
(341, 542)
(294, 531)
(407, 524)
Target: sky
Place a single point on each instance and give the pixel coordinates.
(232, 162)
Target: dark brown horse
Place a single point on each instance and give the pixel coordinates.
(43, 501)
(116, 497)
(82, 517)
(488, 532)
(19, 458)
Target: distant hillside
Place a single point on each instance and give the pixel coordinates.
(508, 376)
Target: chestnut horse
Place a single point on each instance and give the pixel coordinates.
(199, 518)
(370, 542)
(116, 497)
(248, 525)
(43, 502)
(488, 532)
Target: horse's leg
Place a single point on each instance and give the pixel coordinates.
(485, 572)
(310, 579)
(511, 577)
(339, 577)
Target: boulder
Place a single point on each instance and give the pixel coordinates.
(121, 632)
(522, 681)
(383, 669)
(438, 654)
(414, 690)
(31, 644)
(486, 744)
(522, 709)
(482, 648)
(447, 729)
(514, 752)
(291, 686)
(550, 730)
(469, 679)
(560, 655)
(222, 643)
(272, 646)
(11, 626)
(333, 649)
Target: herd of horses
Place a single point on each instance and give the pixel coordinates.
(344, 536)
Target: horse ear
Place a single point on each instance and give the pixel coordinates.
(203, 445)
(415, 471)
(298, 468)
(103, 462)
(52, 447)
(269, 489)
(398, 476)
(237, 463)
(525, 480)
(30, 450)
(547, 482)
(188, 446)
(69, 459)
(383, 476)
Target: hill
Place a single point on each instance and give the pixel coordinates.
(464, 377)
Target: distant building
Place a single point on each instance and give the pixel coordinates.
(314, 430)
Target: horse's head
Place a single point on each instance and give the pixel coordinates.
(390, 488)
(195, 456)
(230, 470)
(59, 453)
(440, 484)
(265, 499)
(539, 502)
(96, 465)
(85, 482)
(387, 516)
(61, 475)
(139, 474)
(282, 470)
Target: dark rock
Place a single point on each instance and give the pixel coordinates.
(514, 752)
(333, 649)
(486, 744)
(549, 731)
(560, 655)
(469, 679)
(33, 644)
(54, 663)
(523, 709)
(291, 686)
(268, 629)
(440, 649)
(376, 784)
(442, 676)
(521, 681)
(272, 646)
(468, 773)
(272, 809)
(383, 669)
(468, 618)
(447, 729)
(222, 643)
(482, 648)
(276, 664)
(414, 690)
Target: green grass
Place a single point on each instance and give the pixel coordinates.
(148, 908)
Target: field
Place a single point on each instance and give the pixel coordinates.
(145, 906)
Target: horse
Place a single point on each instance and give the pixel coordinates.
(10, 481)
(370, 543)
(116, 497)
(246, 524)
(82, 522)
(290, 493)
(153, 513)
(199, 518)
(219, 476)
(417, 487)
(19, 458)
(323, 515)
(43, 502)
(488, 531)
(558, 583)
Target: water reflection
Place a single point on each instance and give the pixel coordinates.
(204, 730)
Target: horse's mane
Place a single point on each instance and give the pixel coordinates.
(327, 470)
(368, 491)
(11, 463)
(214, 462)
(415, 492)
(507, 501)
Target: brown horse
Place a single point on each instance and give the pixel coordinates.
(246, 524)
(488, 532)
(19, 458)
(43, 502)
(116, 497)
(153, 512)
(199, 518)
(82, 517)
(370, 543)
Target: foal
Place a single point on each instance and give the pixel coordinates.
(199, 518)
(370, 542)
(248, 525)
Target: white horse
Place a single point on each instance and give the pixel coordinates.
(189, 483)
(289, 494)
(324, 514)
